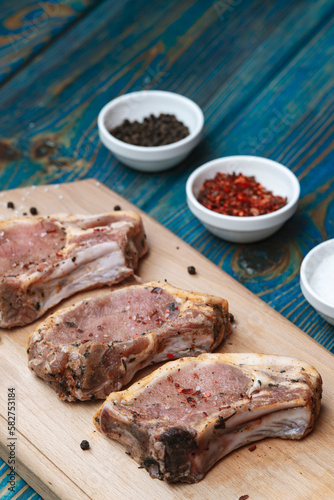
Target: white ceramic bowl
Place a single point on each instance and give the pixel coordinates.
(138, 105)
(270, 174)
(312, 263)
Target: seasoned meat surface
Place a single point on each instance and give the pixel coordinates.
(88, 350)
(185, 416)
(46, 259)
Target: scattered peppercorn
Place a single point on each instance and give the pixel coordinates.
(84, 445)
(152, 131)
(191, 270)
(231, 317)
(24, 213)
(238, 195)
(11, 205)
(33, 211)
(117, 208)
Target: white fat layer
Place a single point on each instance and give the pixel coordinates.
(245, 417)
(183, 345)
(102, 267)
(290, 423)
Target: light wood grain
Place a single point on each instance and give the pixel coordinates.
(49, 431)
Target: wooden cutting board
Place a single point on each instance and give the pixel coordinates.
(49, 431)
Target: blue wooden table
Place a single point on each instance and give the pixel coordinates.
(261, 71)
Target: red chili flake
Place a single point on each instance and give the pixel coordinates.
(59, 255)
(170, 356)
(179, 369)
(252, 448)
(206, 394)
(170, 378)
(238, 195)
(205, 414)
(177, 385)
(244, 497)
(195, 375)
(185, 391)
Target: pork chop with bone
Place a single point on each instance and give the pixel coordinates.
(46, 259)
(95, 347)
(180, 420)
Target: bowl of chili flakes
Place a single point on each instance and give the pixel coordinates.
(242, 199)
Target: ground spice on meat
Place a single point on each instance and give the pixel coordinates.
(152, 131)
(238, 195)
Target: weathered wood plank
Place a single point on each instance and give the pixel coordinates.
(223, 51)
(226, 56)
(49, 432)
(26, 26)
(301, 137)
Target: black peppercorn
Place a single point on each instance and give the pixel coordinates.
(10, 204)
(191, 270)
(117, 208)
(33, 211)
(152, 131)
(84, 445)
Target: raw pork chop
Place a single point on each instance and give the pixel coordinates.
(45, 259)
(185, 416)
(88, 350)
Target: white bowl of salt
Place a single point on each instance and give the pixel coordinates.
(317, 279)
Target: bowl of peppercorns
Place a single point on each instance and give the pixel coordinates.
(243, 199)
(150, 130)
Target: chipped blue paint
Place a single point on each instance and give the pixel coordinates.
(262, 73)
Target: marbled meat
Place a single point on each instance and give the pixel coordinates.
(95, 347)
